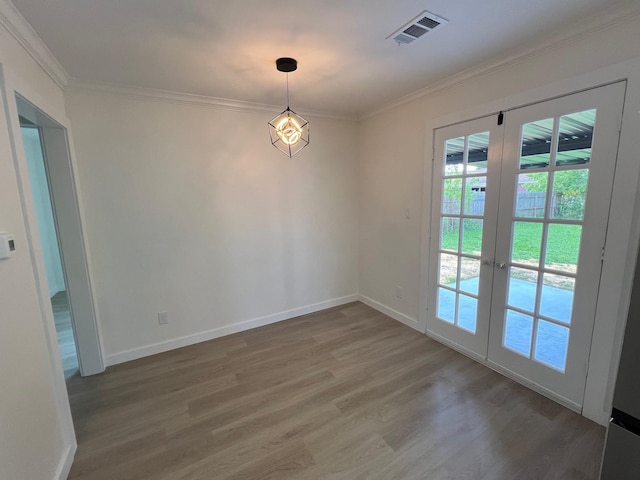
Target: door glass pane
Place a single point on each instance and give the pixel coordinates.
(463, 196)
(454, 151)
(469, 275)
(446, 305)
(474, 195)
(556, 300)
(467, 312)
(575, 137)
(518, 332)
(552, 342)
(448, 269)
(563, 247)
(536, 144)
(527, 243)
(452, 196)
(449, 233)
(472, 236)
(569, 194)
(523, 284)
(478, 153)
(531, 195)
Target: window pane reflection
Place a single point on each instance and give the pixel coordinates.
(478, 153)
(536, 144)
(518, 332)
(454, 152)
(575, 137)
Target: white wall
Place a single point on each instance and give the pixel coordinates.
(190, 210)
(44, 212)
(395, 147)
(36, 433)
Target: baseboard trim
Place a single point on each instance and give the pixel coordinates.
(153, 349)
(401, 317)
(454, 346)
(507, 373)
(571, 405)
(64, 467)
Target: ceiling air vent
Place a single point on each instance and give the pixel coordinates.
(417, 27)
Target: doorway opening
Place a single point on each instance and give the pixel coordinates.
(48, 235)
(55, 228)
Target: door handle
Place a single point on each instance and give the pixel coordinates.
(501, 265)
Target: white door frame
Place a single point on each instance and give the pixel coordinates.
(474, 344)
(567, 386)
(69, 215)
(624, 228)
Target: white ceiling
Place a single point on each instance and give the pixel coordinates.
(227, 49)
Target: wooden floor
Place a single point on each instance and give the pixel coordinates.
(346, 393)
(64, 331)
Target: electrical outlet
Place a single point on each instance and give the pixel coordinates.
(399, 292)
(163, 318)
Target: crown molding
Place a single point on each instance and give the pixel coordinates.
(578, 32)
(165, 96)
(13, 21)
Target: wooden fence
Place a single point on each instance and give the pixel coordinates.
(528, 205)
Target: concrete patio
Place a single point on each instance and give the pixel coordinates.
(551, 339)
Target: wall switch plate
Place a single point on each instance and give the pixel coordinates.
(407, 213)
(163, 318)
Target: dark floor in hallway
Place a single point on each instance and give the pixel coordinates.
(64, 330)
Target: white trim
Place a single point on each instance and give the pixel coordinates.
(535, 387)
(591, 26)
(601, 418)
(458, 348)
(155, 348)
(400, 317)
(64, 467)
(13, 21)
(425, 231)
(166, 96)
(88, 335)
(99, 361)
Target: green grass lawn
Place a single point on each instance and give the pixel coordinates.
(563, 241)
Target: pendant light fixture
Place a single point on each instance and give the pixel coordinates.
(289, 131)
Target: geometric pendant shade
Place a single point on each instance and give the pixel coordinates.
(289, 132)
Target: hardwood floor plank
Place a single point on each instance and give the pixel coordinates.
(100, 423)
(254, 437)
(281, 464)
(346, 393)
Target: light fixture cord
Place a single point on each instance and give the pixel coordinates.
(287, 89)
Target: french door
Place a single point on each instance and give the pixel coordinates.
(519, 225)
